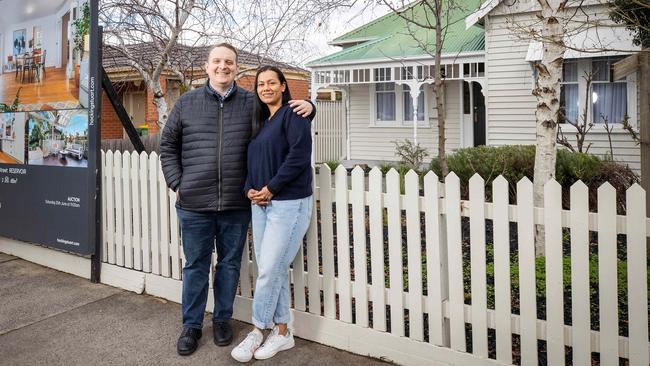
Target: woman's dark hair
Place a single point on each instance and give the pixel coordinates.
(260, 110)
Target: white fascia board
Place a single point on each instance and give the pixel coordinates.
(485, 8)
(385, 62)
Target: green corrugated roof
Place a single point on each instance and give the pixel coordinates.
(391, 37)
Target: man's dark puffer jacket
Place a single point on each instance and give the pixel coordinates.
(203, 150)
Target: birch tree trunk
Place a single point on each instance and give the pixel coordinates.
(160, 102)
(547, 92)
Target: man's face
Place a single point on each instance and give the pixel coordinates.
(221, 67)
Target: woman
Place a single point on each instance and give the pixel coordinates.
(279, 187)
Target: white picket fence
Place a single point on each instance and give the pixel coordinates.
(345, 278)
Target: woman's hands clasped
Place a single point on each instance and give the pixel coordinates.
(261, 197)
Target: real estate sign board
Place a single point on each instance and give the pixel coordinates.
(49, 129)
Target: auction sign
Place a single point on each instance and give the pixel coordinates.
(49, 132)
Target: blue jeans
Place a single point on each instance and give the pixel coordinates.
(278, 230)
(199, 231)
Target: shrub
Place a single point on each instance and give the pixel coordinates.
(411, 155)
(332, 164)
(517, 161)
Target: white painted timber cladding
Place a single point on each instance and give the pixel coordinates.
(368, 142)
(510, 104)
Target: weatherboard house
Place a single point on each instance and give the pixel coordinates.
(488, 65)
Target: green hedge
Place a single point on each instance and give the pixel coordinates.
(517, 161)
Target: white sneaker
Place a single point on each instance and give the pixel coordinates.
(275, 343)
(245, 350)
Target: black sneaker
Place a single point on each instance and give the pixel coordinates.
(222, 333)
(188, 341)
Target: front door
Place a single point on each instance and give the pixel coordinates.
(478, 114)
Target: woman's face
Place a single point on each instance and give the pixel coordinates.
(269, 88)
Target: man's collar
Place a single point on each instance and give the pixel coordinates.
(218, 95)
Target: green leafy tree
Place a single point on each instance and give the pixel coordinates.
(635, 14)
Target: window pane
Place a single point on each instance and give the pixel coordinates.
(600, 69)
(408, 104)
(609, 101)
(570, 71)
(385, 86)
(569, 103)
(386, 106)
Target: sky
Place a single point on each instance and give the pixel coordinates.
(338, 25)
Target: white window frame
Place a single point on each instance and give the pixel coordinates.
(584, 66)
(399, 121)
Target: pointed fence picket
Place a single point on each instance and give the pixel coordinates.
(607, 275)
(395, 265)
(313, 256)
(580, 301)
(455, 250)
(359, 244)
(414, 250)
(136, 212)
(502, 295)
(527, 282)
(376, 228)
(327, 242)
(637, 267)
(343, 244)
(478, 266)
(127, 216)
(389, 239)
(554, 271)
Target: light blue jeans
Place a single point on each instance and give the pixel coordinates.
(278, 230)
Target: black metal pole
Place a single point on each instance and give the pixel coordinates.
(96, 107)
(121, 112)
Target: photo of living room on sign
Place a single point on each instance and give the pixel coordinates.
(58, 138)
(44, 58)
(12, 138)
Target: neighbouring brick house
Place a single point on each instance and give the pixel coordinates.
(138, 100)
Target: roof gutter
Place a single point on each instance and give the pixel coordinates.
(387, 59)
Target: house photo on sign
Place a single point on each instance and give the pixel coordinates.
(48, 129)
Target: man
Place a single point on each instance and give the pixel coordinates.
(203, 156)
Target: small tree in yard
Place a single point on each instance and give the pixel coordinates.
(439, 16)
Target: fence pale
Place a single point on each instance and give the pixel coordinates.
(455, 250)
(327, 242)
(527, 284)
(154, 216)
(313, 255)
(145, 197)
(554, 272)
(607, 275)
(137, 211)
(343, 244)
(128, 210)
(436, 261)
(395, 253)
(376, 227)
(637, 288)
(502, 296)
(580, 302)
(110, 206)
(357, 198)
(478, 262)
(414, 245)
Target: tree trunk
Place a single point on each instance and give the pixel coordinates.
(439, 89)
(547, 92)
(160, 103)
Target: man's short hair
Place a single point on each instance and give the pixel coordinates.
(228, 46)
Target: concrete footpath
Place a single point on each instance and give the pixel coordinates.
(53, 318)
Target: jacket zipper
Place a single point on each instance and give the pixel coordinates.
(219, 203)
